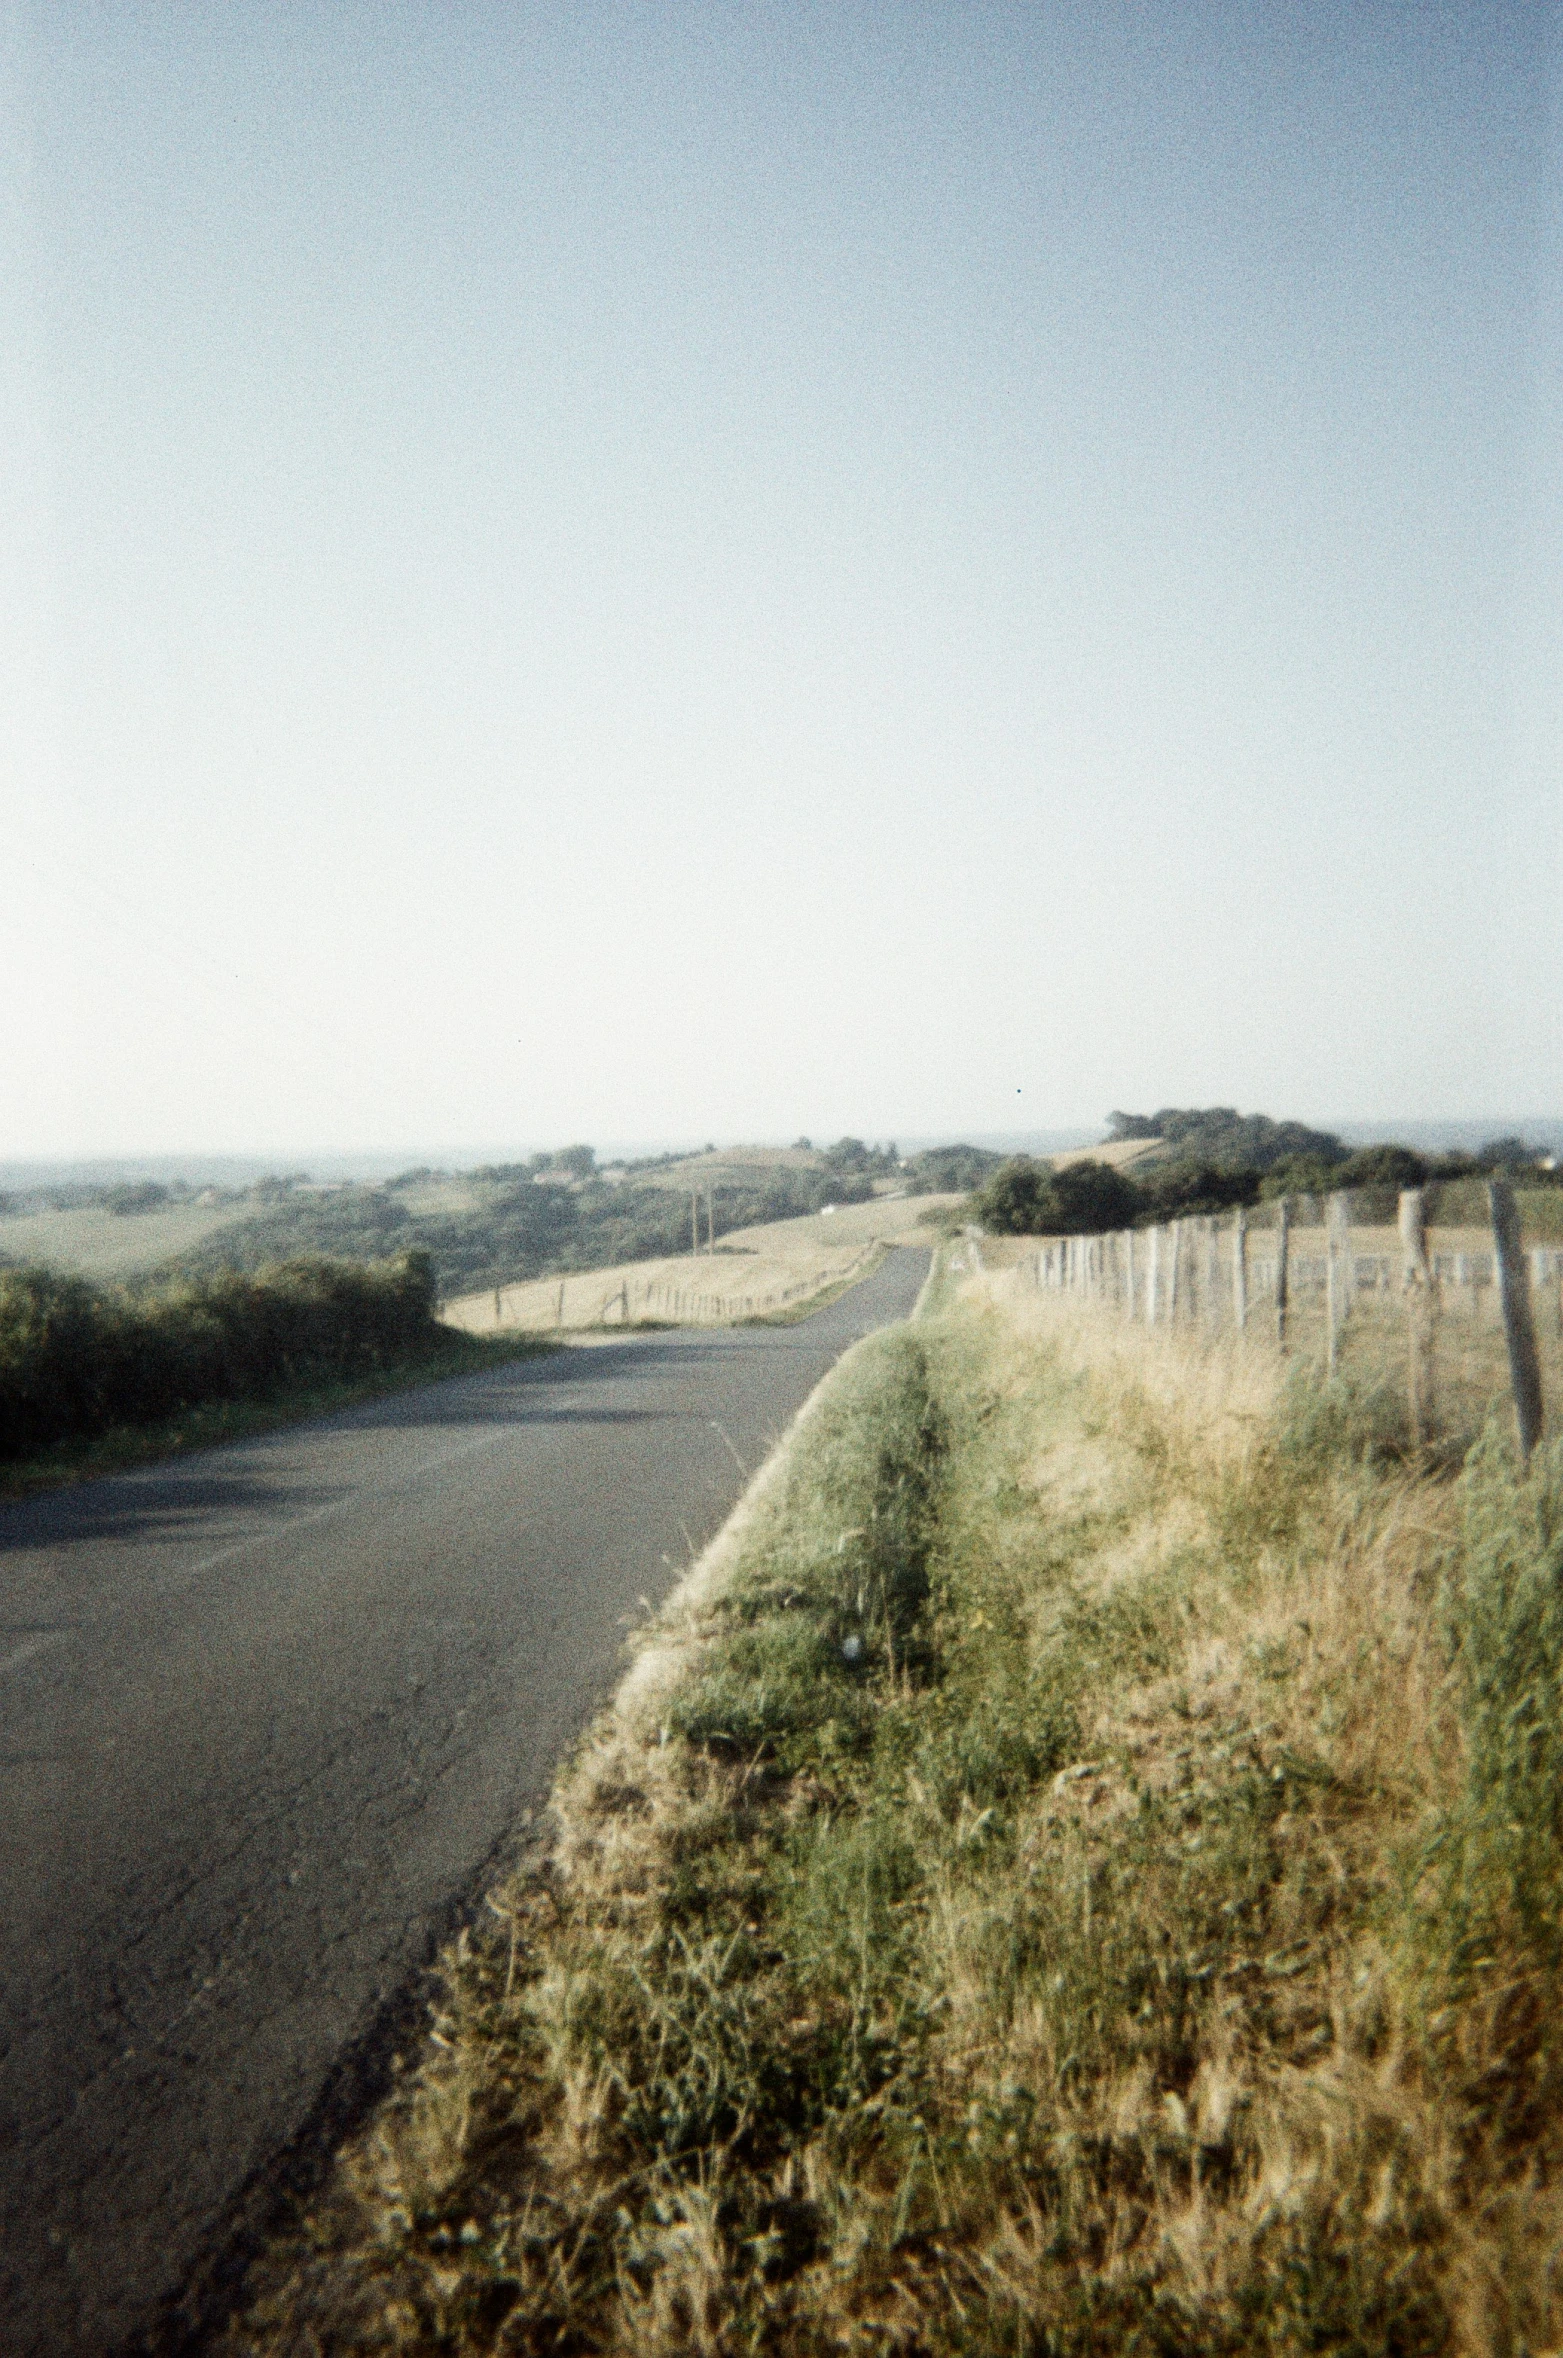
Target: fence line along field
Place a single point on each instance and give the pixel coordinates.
(751, 1273)
(1442, 1323)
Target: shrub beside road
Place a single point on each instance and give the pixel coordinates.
(94, 1376)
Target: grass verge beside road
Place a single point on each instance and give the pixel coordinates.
(1076, 1869)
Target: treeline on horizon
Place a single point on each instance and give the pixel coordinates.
(1217, 1159)
(78, 1360)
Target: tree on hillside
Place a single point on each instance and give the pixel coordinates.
(1177, 1191)
(1507, 1154)
(1382, 1166)
(1227, 1140)
(1303, 1174)
(579, 1161)
(1016, 1199)
(1027, 1198)
(949, 1170)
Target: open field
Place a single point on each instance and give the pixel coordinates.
(95, 1242)
(732, 1163)
(1075, 1869)
(1120, 1154)
(754, 1271)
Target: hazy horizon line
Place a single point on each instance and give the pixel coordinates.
(1454, 1131)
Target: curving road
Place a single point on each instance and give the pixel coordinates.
(267, 1717)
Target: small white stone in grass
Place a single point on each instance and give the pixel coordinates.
(852, 1649)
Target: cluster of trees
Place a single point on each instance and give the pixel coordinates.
(1220, 1136)
(949, 1170)
(78, 1359)
(1220, 1159)
(126, 1197)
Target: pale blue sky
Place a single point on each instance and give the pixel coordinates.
(659, 571)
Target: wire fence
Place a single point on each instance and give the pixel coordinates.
(681, 1295)
(1457, 1318)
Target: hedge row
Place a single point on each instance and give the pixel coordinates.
(77, 1359)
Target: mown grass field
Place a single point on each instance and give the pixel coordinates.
(95, 1242)
(754, 1272)
(1075, 1870)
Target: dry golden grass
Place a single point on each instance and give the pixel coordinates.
(1064, 1878)
(1119, 1154)
(733, 1162)
(753, 1272)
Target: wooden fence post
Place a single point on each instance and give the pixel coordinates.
(1416, 1280)
(1519, 1330)
(1337, 1243)
(1240, 1270)
(1128, 1271)
(1175, 1272)
(1212, 1273)
(1153, 1280)
(1283, 1242)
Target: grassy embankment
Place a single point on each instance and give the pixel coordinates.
(1076, 1870)
(94, 1379)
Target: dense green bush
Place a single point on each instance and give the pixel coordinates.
(78, 1359)
(1026, 1198)
(1383, 1166)
(1177, 1191)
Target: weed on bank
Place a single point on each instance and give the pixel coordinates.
(1080, 1874)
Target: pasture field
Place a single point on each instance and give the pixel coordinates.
(731, 1163)
(754, 1272)
(95, 1242)
(1119, 1154)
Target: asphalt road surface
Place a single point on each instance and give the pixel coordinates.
(267, 1715)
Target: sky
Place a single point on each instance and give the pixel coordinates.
(660, 571)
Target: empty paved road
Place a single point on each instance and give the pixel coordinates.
(264, 1714)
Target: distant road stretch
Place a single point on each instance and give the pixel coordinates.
(265, 1714)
